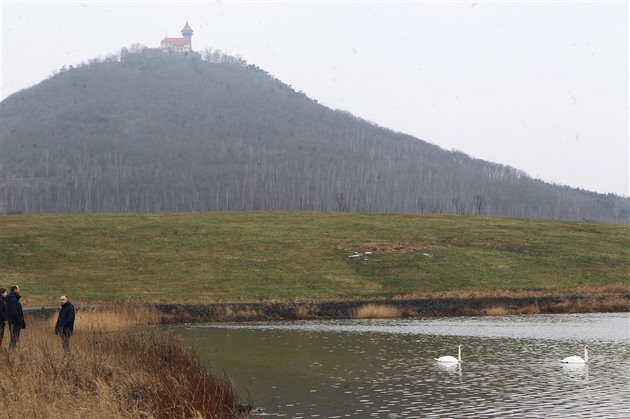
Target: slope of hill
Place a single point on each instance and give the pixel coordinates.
(259, 255)
(170, 133)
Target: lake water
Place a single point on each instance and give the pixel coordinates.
(385, 368)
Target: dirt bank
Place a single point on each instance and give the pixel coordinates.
(592, 302)
(419, 307)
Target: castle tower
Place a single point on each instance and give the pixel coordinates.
(187, 33)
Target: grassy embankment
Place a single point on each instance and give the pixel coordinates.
(126, 374)
(250, 256)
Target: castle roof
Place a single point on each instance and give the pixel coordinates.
(187, 27)
(179, 42)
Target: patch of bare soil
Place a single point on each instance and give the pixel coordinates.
(397, 247)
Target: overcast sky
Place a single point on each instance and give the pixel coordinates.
(541, 86)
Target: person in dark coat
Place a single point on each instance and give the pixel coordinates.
(3, 317)
(14, 315)
(65, 322)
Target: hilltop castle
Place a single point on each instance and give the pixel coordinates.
(183, 44)
(175, 47)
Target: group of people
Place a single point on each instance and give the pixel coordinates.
(11, 313)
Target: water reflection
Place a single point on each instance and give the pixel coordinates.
(576, 372)
(510, 366)
(450, 366)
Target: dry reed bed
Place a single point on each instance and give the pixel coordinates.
(610, 298)
(616, 289)
(126, 374)
(377, 311)
(546, 305)
(585, 304)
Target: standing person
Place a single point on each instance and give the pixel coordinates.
(3, 317)
(14, 315)
(65, 322)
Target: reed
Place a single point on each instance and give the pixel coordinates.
(495, 311)
(303, 311)
(528, 309)
(115, 316)
(230, 314)
(591, 304)
(614, 289)
(377, 311)
(127, 374)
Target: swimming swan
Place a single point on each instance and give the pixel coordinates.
(576, 359)
(449, 358)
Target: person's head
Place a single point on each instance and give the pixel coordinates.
(15, 289)
(3, 291)
(63, 299)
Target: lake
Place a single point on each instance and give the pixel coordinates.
(386, 368)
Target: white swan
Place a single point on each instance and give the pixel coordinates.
(576, 359)
(451, 359)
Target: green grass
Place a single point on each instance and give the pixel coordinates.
(281, 255)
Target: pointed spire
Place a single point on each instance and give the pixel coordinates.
(187, 31)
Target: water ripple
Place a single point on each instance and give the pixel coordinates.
(385, 369)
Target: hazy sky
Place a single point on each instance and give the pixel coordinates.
(538, 85)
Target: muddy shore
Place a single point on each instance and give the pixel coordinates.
(345, 309)
(422, 307)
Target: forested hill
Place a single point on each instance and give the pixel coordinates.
(175, 133)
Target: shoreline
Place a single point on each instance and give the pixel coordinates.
(397, 307)
(404, 308)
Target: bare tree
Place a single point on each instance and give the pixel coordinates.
(340, 198)
(460, 206)
(479, 202)
(421, 204)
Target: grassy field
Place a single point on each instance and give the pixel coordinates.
(235, 256)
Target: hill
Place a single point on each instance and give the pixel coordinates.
(172, 133)
(232, 256)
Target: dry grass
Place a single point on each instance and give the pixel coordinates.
(127, 374)
(528, 309)
(292, 310)
(613, 298)
(586, 303)
(229, 314)
(593, 304)
(396, 247)
(115, 317)
(377, 311)
(612, 289)
(495, 311)
(304, 311)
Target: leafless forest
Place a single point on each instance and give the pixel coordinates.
(172, 133)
